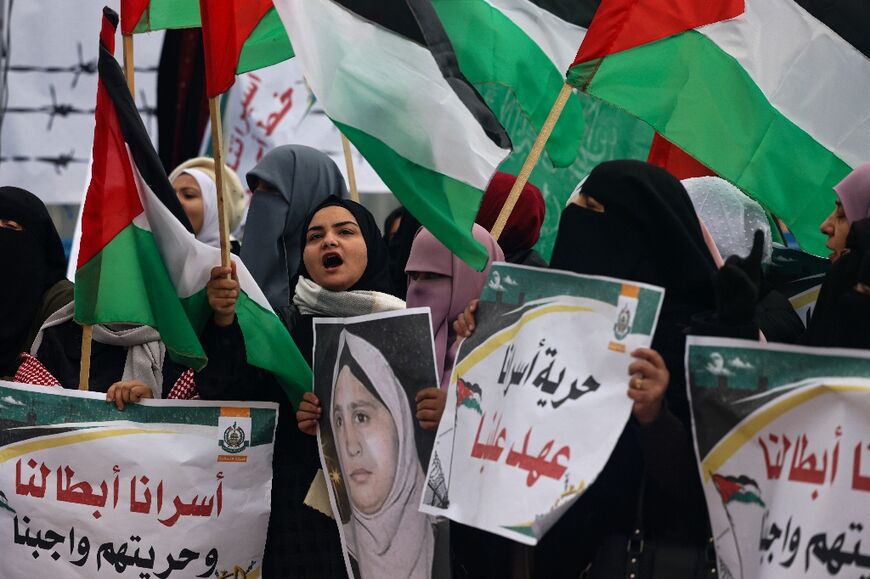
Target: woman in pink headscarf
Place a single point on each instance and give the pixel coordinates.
(439, 280)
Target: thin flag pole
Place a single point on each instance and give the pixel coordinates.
(128, 63)
(88, 329)
(351, 174)
(85, 365)
(531, 160)
(214, 109)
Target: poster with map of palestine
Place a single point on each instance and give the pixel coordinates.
(783, 439)
(537, 398)
(165, 489)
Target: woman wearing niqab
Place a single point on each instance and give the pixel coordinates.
(34, 264)
(396, 539)
(638, 224)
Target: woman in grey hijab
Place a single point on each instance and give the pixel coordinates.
(288, 183)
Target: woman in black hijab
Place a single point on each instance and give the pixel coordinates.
(34, 264)
(343, 271)
(635, 221)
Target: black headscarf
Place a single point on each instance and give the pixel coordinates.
(649, 232)
(399, 247)
(376, 276)
(32, 260)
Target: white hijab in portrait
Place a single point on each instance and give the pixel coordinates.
(397, 540)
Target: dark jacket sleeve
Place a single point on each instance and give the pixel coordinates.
(228, 376)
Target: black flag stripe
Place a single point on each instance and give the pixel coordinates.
(850, 19)
(579, 12)
(112, 79)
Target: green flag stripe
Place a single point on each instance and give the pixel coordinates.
(707, 104)
(493, 50)
(446, 205)
(136, 289)
(163, 14)
(268, 44)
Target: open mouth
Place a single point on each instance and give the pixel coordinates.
(332, 261)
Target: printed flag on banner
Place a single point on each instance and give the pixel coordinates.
(386, 74)
(537, 399)
(727, 82)
(164, 489)
(367, 372)
(783, 444)
(525, 46)
(139, 264)
(240, 36)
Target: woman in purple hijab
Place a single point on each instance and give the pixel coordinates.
(439, 280)
(853, 204)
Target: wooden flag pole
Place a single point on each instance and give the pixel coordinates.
(128, 63)
(531, 161)
(351, 175)
(85, 363)
(214, 109)
(88, 329)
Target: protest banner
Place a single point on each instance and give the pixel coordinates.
(162, 489)
(367, 372)
(783, 442)
(538, 397)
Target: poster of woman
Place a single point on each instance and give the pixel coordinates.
(367, 371)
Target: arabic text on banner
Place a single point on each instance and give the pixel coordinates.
(783, 438)
(162, 489)
(537, 399)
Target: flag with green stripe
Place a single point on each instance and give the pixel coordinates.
(257, 43)
(386, 74)
(769, 94)
(139, 264)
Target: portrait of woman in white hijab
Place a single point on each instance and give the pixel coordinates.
(371, 434)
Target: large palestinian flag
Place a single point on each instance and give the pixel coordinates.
(386, 74)
(138, 263)
(769, 94)
(251, 31)
(524, 45)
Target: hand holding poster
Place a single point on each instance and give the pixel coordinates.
(162, 489)
(537, 399)
(783, 440)
(367, 372)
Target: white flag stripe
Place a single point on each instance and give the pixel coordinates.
(388, 87)
(558, 38)
(808, 73)
(188, 261)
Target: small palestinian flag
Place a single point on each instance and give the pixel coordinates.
(525, 46)
(385, 72)
(739, 489)
(769, 94)
(139, 262)
(468, 395)
(249, 33)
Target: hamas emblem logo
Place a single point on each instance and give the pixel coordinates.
(622, 327)
(234, 440)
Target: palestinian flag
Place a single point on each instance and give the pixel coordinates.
(386, 74)
(524, 45)
(252, 34)
(140, 263)
(468, 395)
(737, 489)
(769, 94)
(240, 36)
